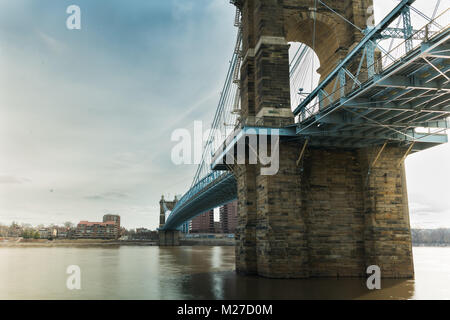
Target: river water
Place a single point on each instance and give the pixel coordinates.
(192, 273)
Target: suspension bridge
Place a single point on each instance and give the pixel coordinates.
(338, 201)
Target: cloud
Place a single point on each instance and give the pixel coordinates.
(180, 8)
(51, 42)
(7, 179)
(113, 195)
(428, 214)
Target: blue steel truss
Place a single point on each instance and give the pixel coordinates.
(403, 101)
(216, 189)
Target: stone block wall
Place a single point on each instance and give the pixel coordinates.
(246, 226)
(282, 248)
(387, 233)
(169, 238)
(328, 217)
(332, 202)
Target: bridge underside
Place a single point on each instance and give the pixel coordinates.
(210, 194)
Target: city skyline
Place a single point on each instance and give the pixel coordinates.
(87, 115)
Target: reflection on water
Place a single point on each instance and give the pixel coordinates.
(192, 273)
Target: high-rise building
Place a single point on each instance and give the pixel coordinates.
(229, 217)
(203, 223)
(113, 218)
(218, 227)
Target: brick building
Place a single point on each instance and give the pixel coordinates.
(218, 227)
(108, 229)
(113, 218)
(229, 217)
(203, 223)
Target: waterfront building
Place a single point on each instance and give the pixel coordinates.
(229, 217)
(113, 218)
(218, 227)
(203, 223)
(62, 232)
(108, 229)
(44, 233)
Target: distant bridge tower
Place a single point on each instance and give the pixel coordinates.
(338, 210)
(164, 206)
(170, 237)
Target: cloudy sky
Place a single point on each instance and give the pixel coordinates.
(86, 115)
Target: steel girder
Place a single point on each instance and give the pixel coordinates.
(219, 190)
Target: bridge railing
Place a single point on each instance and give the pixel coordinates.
(200, 186)
(248, 121)
(430, 30)
(373, 60)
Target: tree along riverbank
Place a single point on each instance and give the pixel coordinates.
(431, 237)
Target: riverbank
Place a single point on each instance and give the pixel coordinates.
(72, 243)
(188, 242)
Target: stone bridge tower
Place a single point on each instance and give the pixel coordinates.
(168, 237)
(339, 211)
(162, 213)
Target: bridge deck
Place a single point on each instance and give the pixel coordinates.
(215, 190)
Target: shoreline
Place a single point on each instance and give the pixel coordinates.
(85, 243)
(74, 243)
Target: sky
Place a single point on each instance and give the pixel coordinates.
(86, 115)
